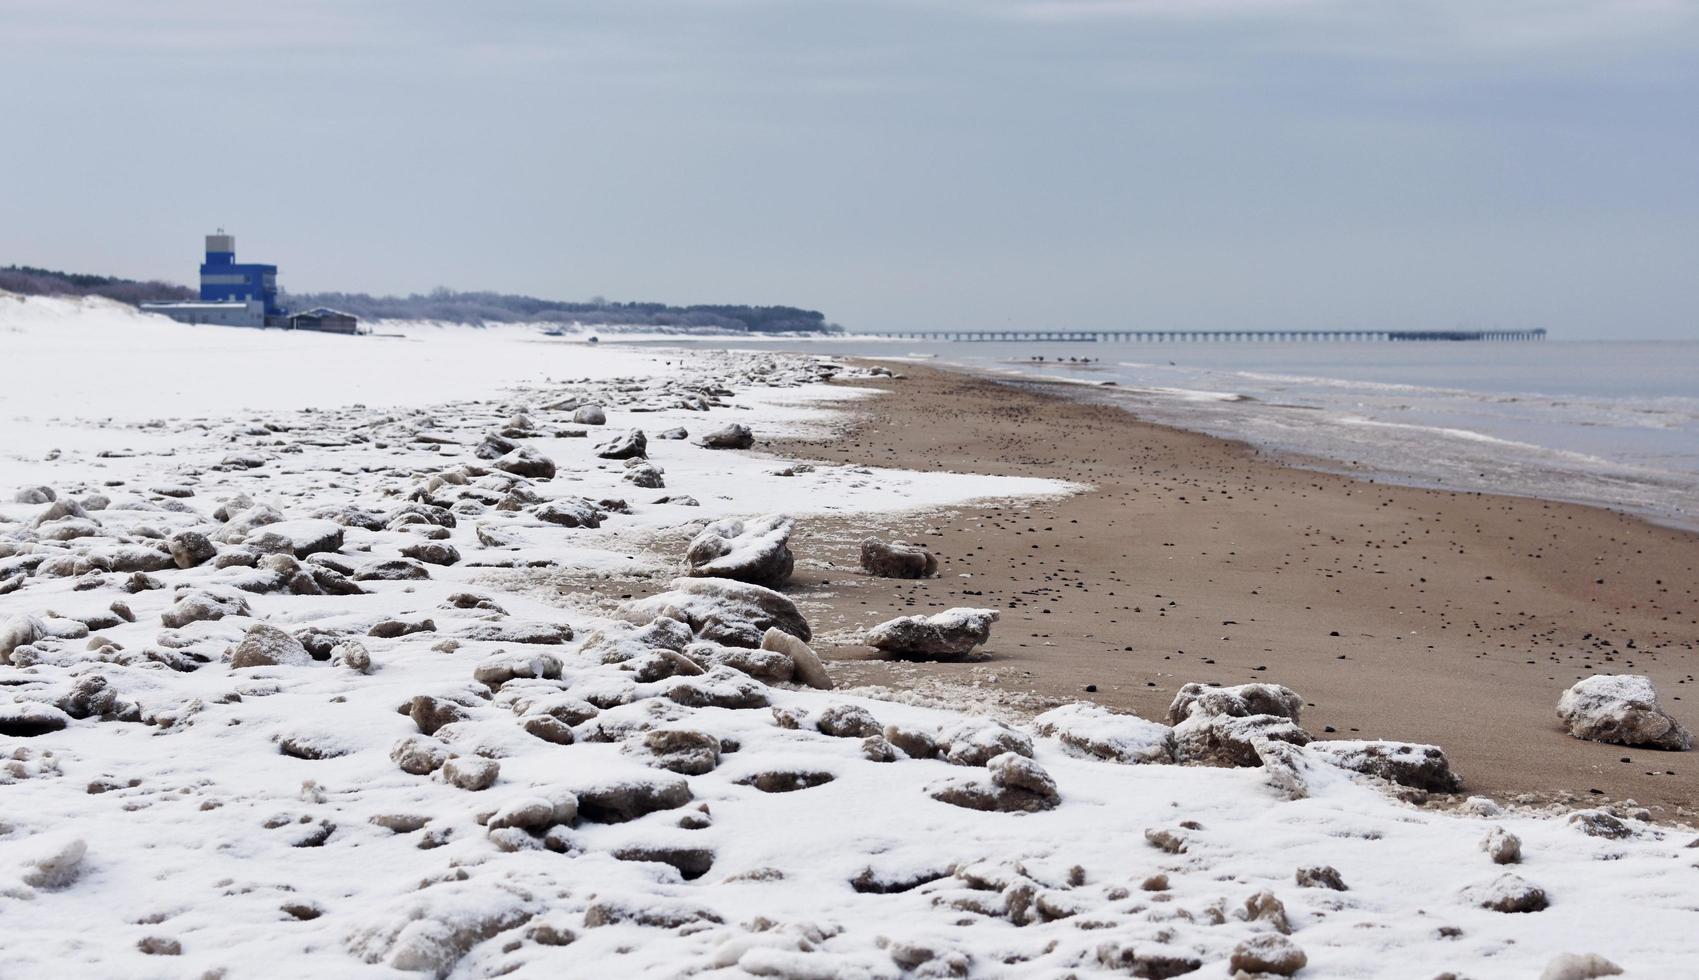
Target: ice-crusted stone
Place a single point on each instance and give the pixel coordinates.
(1423, 767)
(391, 570)
(1015, 784)
(1269, 953)
(471, 772)
(268, 646)
(246, 522)
(951, 634)
(644, 475)
(1239, 701)
(1228, 740)
(1502, 846)
(806, 665)
(28, 719)
(762, 664)
(432, 553)
(571, 512)
(519, 631)
(847, 721)
(973, 742)
(630, 444)
(191, 548)
(1094, 732)
(306, 536)
(734, 435)
(527, 462)
(589, 415)
(202, 604)
(20, 630)
(622, 800)
(1622, 709)
(499, 668)
(755, 551)
(1506, 893)
(420, 755)
(897, 559)
(682, 750)
(1579, 966)
(721, 610)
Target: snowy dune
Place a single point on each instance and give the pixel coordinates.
(254, 821)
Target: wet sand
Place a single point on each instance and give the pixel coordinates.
(1398, 613)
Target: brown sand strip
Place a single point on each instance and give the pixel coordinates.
(1399, 613)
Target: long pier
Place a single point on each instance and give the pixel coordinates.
(1210, 336)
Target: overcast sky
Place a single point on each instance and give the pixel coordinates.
(925, 163)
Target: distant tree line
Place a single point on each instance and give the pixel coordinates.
(483, 307)
(30, 281)
(444, 305)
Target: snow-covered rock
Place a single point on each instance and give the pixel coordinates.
(951, 634)
(755, 551)
(1621, 708)
(1093, 731)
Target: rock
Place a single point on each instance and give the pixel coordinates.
(1574, 966)
(1265, 907)
(1320, 876)
(676, 432)
(353, 655)
(200, 604)
(1622, 709)
(520, 631)
(191, 548)
(432, 553)
(950, 635)
(27, 719)
(733, 436)
(548, 728)
(1240, 701)
(589, 415)
(645, 475)
(785, 780)
(807, 667)
(35, 495)
(1092, 731)
(877, 748)
(308, 536)
(847, 721)
(1502, 846)
(430, 714)
(527, 462)
(682, 750)
(390, 629)
(625, 800)
(914, 743)
(1506, 893)
(1017, 784)
(419, 754)
(245, 522)
(93, 696)
(1227, 740)
(140, 559)
(500, 668)
(58, 510)
(534, 813)
(629, 444)
(975, 742)
(1423, 767)
(391, 570)
(1268, 953)
(571, 512)
(494, 446)
(471, 772)
(268, 646)
(897, 560)
(755, 551)
(1598, 823)
(159, 946)
(53, 862)
(21, 630)
(763, 665)
(1147, 961)
(721, 610)
(332, 582)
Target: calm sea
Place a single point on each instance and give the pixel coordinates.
(1608, 422)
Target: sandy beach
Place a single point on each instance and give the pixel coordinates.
(1401, 613)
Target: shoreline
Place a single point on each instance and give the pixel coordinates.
(1399, 612)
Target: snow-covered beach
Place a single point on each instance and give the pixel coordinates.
(274, 772)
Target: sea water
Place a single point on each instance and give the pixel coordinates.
(1612, 423)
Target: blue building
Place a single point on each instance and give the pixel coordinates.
(224, 280)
